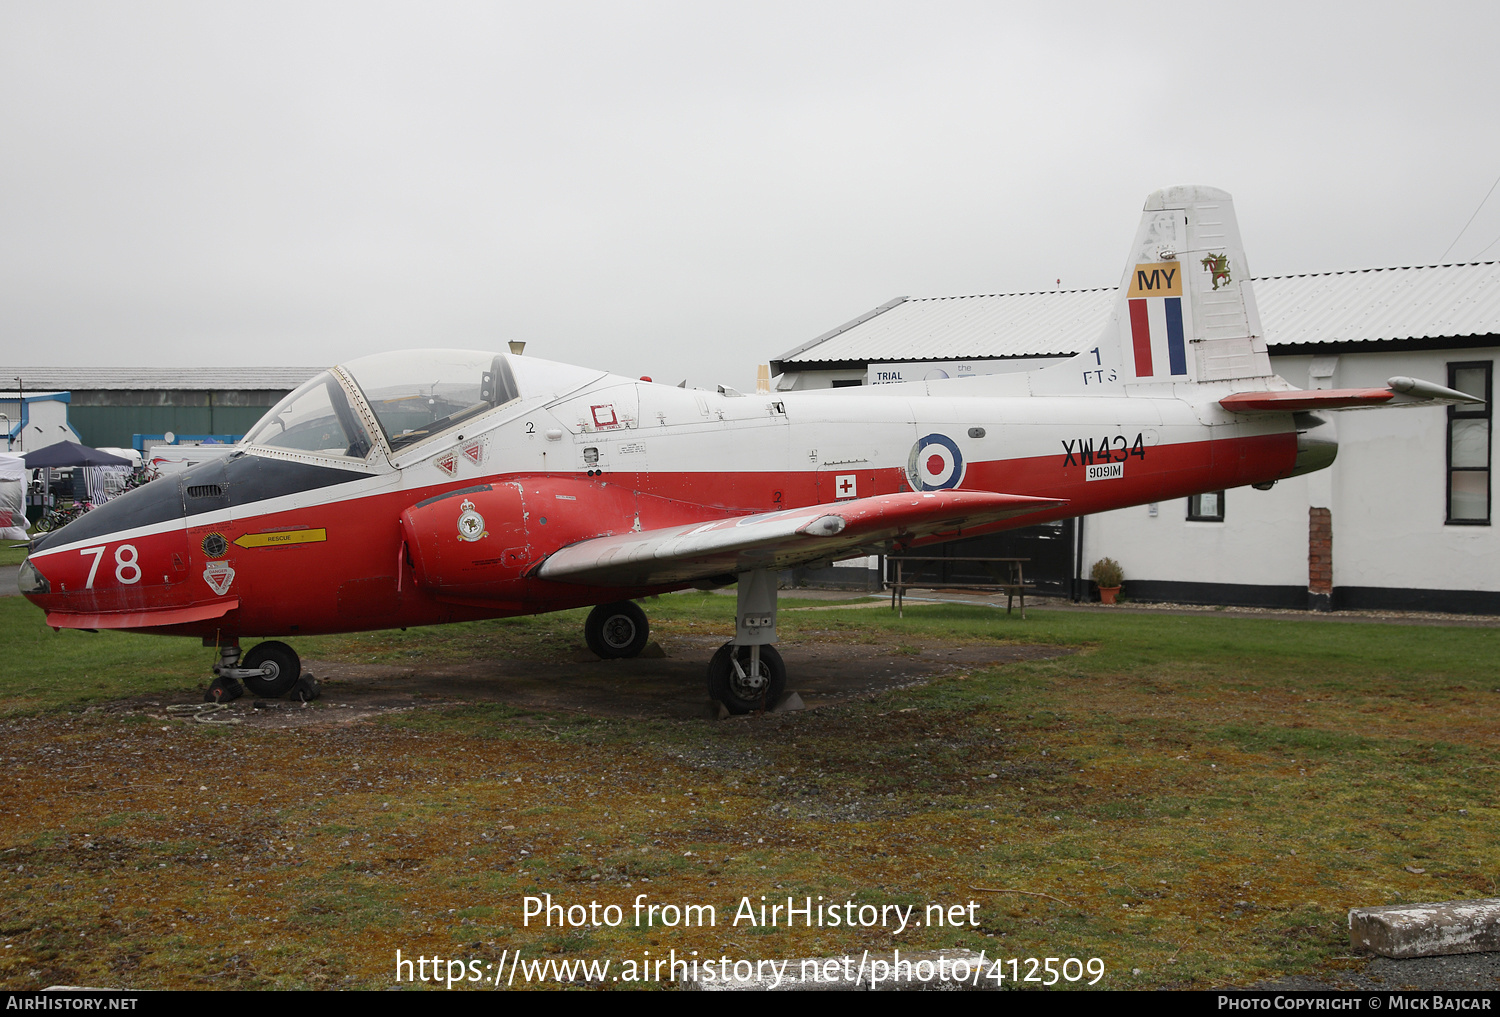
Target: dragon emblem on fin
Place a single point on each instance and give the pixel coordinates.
(1217, 265)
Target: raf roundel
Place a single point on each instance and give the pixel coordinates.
(935, 463)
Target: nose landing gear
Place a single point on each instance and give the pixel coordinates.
(269, 670)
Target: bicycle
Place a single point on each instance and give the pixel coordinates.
(61, 515)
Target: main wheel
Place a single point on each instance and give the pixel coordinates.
(617, 630)
(281, 666)
(738, 689)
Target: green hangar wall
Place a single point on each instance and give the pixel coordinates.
(108, 406)
(112, 418)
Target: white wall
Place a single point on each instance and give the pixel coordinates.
(1261, 542)
(46, 424)
(803, 381)
(1390, 486)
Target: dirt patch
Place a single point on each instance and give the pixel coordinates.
(670, 686)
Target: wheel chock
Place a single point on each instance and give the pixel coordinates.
(307, 688)
(223, 690)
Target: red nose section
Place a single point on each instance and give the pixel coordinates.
(150, 581)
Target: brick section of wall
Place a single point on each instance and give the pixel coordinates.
(1319, 550)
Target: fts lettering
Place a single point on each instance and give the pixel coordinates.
(1099, 374)
(1117, 449)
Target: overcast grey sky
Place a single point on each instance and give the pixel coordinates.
(687, 189)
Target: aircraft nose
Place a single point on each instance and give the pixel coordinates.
(122, 556)
(30, 582)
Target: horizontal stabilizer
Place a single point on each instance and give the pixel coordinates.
(1401, 392)
(778, 540)
(1297, 399)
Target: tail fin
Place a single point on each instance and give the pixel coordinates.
(1185, 311)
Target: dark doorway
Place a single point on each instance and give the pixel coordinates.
(1049, 548)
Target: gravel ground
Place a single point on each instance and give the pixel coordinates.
(1478, 971)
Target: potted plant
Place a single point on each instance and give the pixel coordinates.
(1108, 575)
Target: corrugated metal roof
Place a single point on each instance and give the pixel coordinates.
(194, 379)
(1438, 301)
(1442, 301)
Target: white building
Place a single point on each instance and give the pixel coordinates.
(33, 420)
(1402, 518)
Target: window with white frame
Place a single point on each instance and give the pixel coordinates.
(1469, 442)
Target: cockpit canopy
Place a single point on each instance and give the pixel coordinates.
(316, 418)
(413, 395)
(417, 394)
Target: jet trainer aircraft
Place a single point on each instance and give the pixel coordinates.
(449, 485)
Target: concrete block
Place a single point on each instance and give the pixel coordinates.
(1427, 930)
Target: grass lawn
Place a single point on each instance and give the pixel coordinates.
(10, 554)
(1196, 799)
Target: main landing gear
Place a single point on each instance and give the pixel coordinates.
(746, 678)
(270, 670)
(617, 630)
(747, 673)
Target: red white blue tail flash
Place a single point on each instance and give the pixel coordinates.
(1157, 346)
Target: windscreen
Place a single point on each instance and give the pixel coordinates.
(315, 418)
(421, 393)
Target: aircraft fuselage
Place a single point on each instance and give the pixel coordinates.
(268, 542)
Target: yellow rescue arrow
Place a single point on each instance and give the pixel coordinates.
(281, 538)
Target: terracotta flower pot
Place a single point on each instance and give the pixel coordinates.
(1107, 594)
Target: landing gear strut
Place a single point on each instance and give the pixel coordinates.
(747, 673)
(225, 686)
(617, 630)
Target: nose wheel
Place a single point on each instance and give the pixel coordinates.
(617, 630)
(277, 669)
(269, 670)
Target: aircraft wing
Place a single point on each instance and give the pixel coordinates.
(1399, 392)
(777, 540)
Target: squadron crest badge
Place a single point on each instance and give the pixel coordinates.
(470, 523)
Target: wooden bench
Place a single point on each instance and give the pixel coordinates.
(1014, 588)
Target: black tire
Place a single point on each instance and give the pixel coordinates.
(617, 630)
(752, 692)
(282, 665)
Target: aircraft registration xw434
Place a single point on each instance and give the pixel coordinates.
(449, 485)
